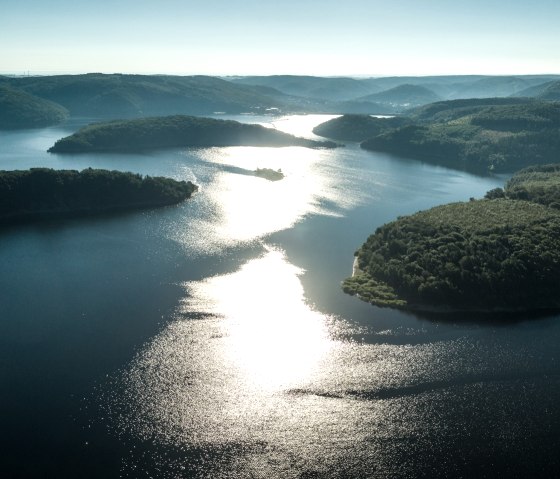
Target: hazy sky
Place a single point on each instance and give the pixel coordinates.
(323, 37)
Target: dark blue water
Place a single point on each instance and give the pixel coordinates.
(212, 339)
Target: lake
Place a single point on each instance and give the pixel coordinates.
(212, 339)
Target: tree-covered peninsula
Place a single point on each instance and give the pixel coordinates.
(499, 254)
(175, 132)
(41, 193)
(358, 127)
(539, 184)
(492, 134)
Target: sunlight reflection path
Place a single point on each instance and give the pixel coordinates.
(240, 341)
(274, 338)
(234, 206)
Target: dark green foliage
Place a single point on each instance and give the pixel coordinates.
(110, 96)
(357, 127)
(443, 111)
(19, 109)
(478, 135)
(175, 131)
(479, 255)
(41, 192)
(527, 117)
(373, 291)
(540, 184)
(495, 194)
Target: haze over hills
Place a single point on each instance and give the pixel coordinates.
(118, 96)
(139, 95)
(545, 91)
(403, 96)
(334, 89)
(446, 87)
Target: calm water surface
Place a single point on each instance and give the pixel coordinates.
(212, 340)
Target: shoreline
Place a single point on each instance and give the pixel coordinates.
(434, 309)
(356, 268)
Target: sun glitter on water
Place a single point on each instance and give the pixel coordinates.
(273, 337)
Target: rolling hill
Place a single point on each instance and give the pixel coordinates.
(125, 96)
(403, 96)
(19, 109)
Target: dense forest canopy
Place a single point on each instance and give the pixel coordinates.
(539, 184)
(502, 134)
(480, 255)
(116, 96)
(491, 254)
(176, 131)
(19, 109)
(357, 127)
(42, 192)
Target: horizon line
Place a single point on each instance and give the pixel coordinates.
(40, 73)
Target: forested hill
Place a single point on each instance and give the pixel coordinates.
(110, 96)
(501, 253)
(98, 95)
(499, 135)
(482, 255)
(358, 127)
(41, 193)
(404, 96)
(539, 184)
(176, 131)
(402, 90)
(19, 109)
(495, 138)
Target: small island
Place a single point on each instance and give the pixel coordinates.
(42, 193)
(501, 253)
(269, 174)
(176, 132)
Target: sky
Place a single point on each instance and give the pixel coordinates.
(300, 37)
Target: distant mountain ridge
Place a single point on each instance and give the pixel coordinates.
(405, 95)
(445, 86)
(479, 134)
(334, 89)
(546, 91)
(121, 96)
(116, 95)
